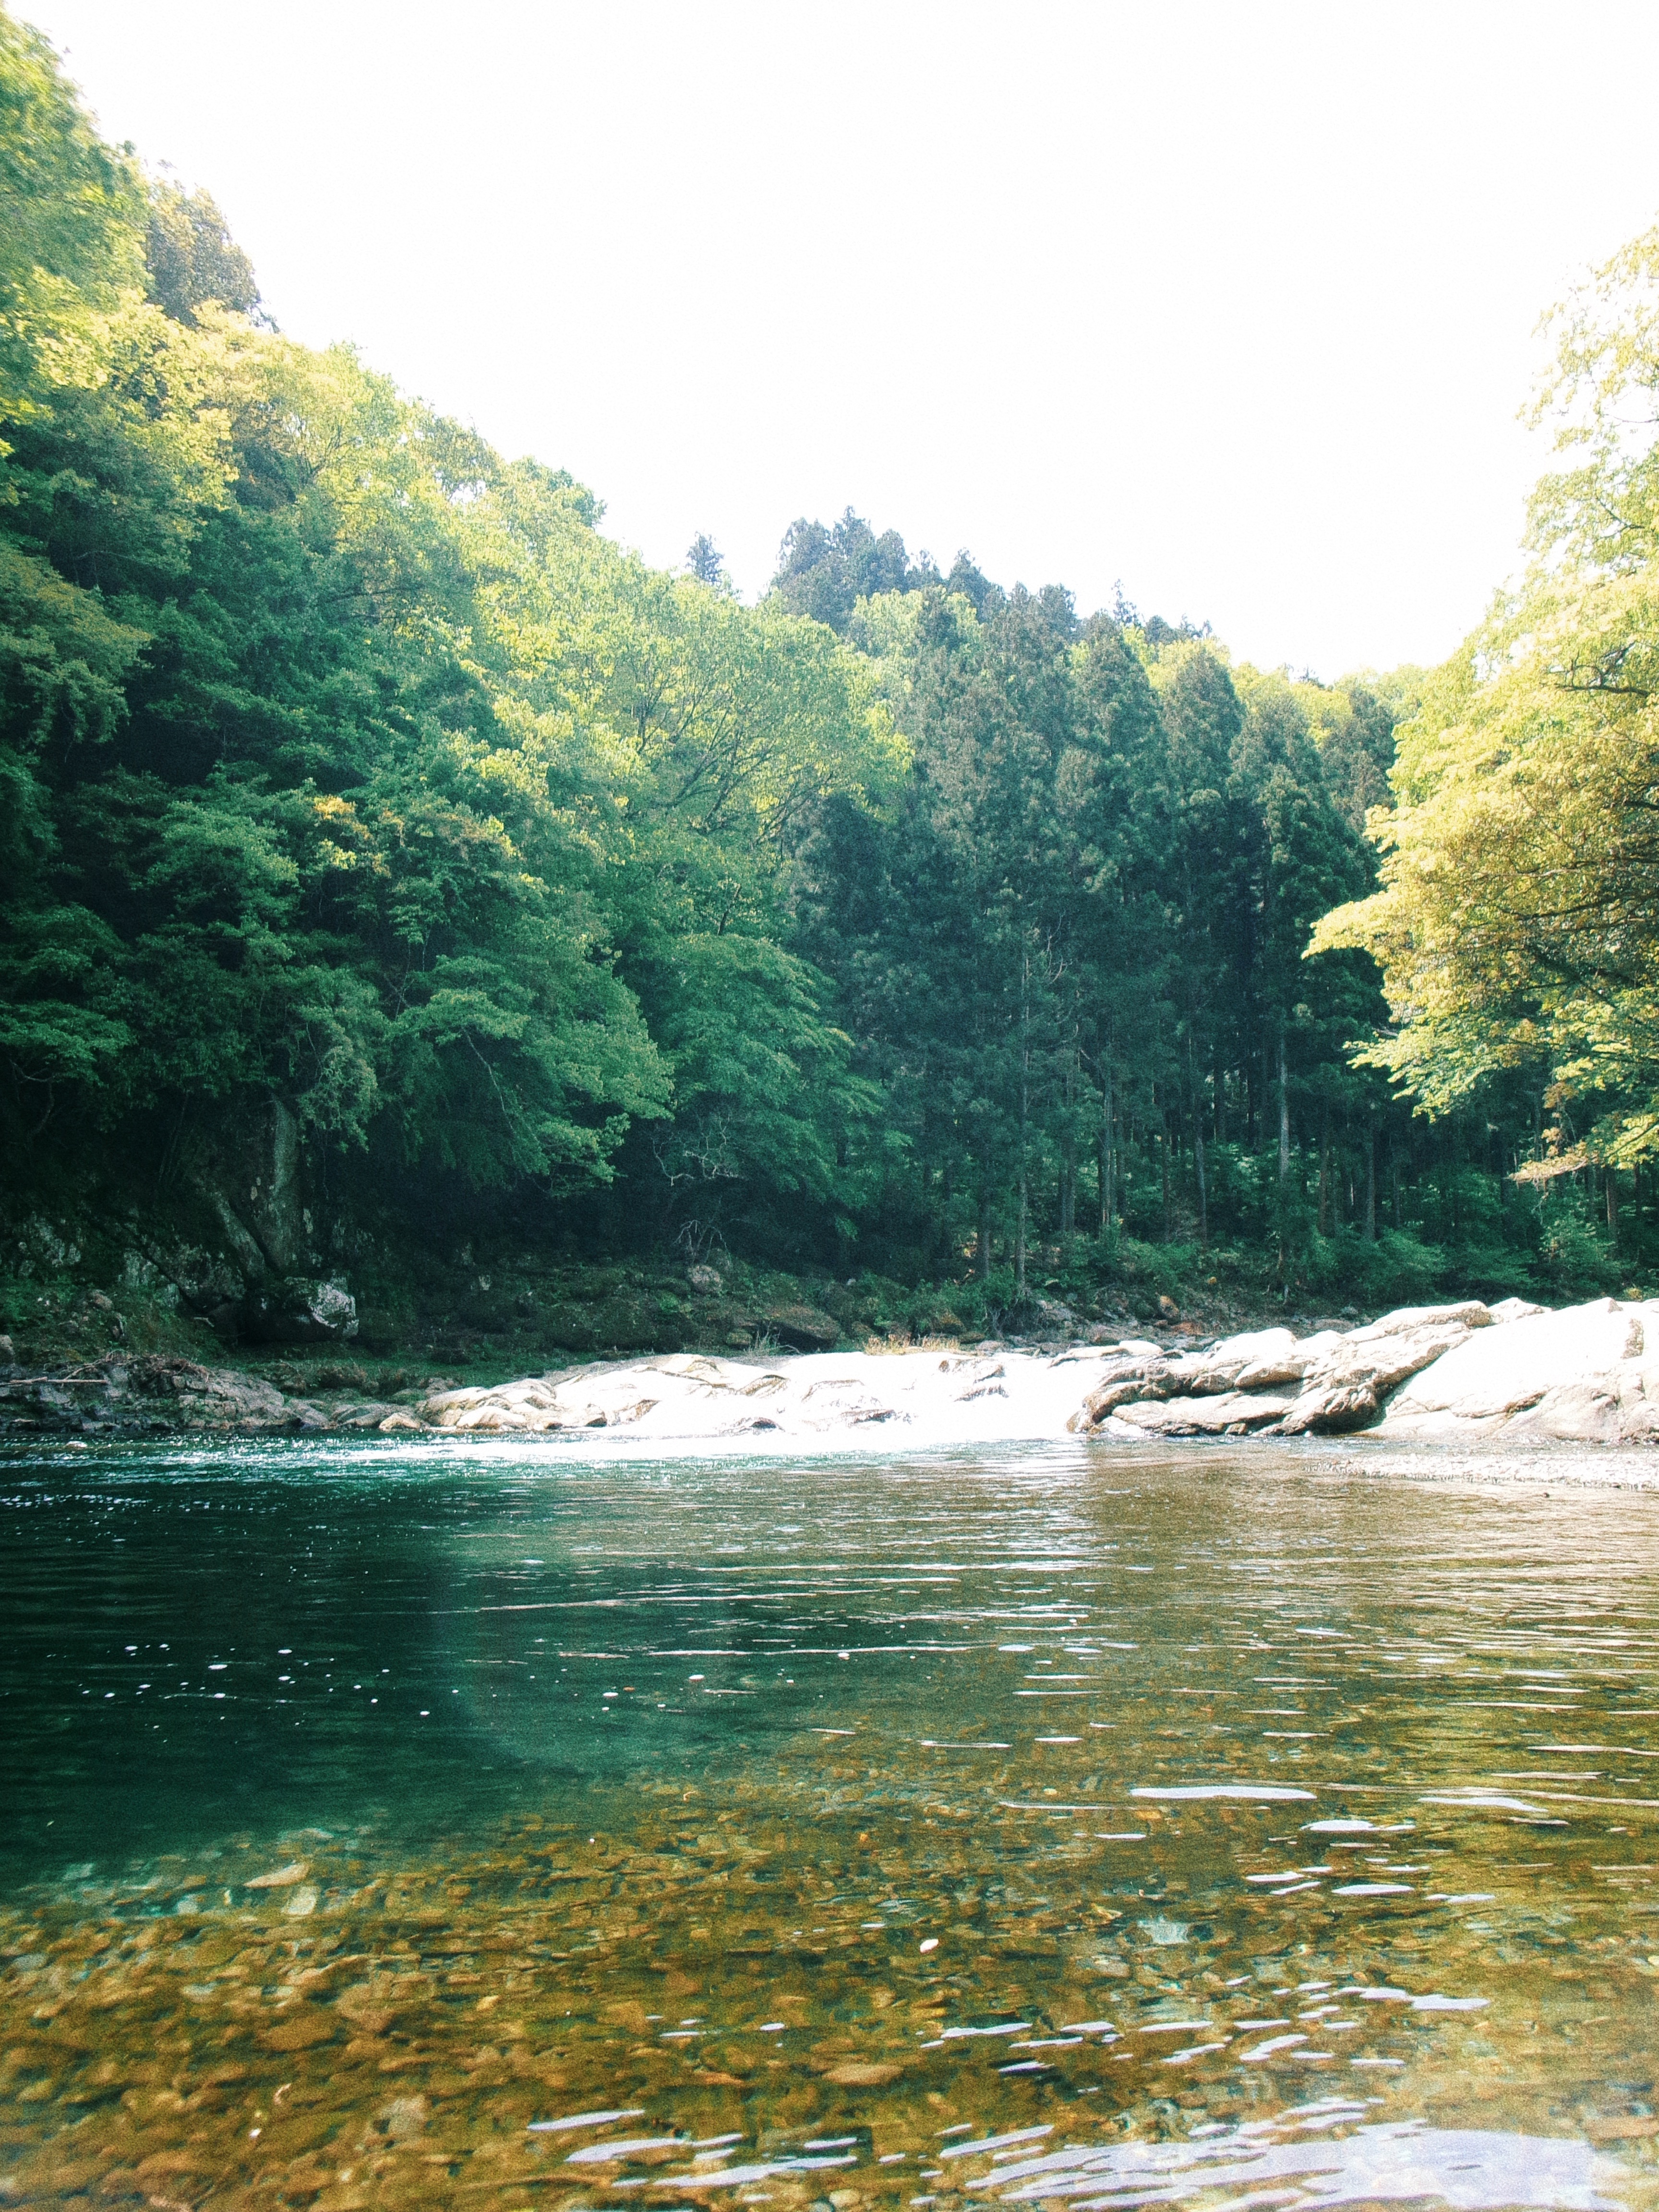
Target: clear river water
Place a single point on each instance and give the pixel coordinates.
(488, 1825)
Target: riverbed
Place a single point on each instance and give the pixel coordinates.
(509, 1824)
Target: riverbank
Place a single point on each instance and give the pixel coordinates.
(1453, 1375)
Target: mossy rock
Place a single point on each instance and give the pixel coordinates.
(804, 1327)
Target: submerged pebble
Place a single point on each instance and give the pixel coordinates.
(791, 1940)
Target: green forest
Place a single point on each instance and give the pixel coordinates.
(401, 878)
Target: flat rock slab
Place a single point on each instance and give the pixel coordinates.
(1230, 1412)
(1554, 1366)
(927, 1397)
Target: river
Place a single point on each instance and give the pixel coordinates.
(509, 1824)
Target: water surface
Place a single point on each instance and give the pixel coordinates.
(436, 1823)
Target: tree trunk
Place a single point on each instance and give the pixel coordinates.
(1024, 1120)
(982, 1249)
(1198, 1146)
(1163, 1154)
(1108, 1194)
(1068, 1171)
(1371, 1181)
(1610, 1175)
(1325, 1170)
(1283, 1112)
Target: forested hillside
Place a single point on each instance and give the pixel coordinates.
(397, 873)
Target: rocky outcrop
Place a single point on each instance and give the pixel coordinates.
(689, 1395)
(1268, 1382)
(300, 1309)
(1583, 1375)
(1327, 1384)
(1587, 1375)
(161, 1395)
(1230, 1414)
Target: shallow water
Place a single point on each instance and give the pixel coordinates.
(443, 1824)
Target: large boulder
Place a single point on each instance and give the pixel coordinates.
(532, 1405)
(1470, 1312)
(1337, 1380)
(1263, 1360)
(1514, 1308)
(1126, 1380)
(299, 1309)
(1581, 1375)
(1230, 1412)
(1332, 1409)
(1347, 1384)
(1588, 1412)
(803, 1328)
(1267, 1351)
(1272, 1367)
(1498, 1373)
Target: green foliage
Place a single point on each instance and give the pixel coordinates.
(70, 242)
(347, 765)
(824, 573)
(190, 257)
(1573, 1261)
(1396, 1269)
(1515, 922)
(1154, 1271)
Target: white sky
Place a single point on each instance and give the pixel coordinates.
(1232, 301)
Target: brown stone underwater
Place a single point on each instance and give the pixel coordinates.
(427, 1824)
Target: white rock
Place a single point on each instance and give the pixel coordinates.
(1500, 1372)
(1406, 1319)
(1515, 1310)
(1202, 1416)
(1291, 1365)
(1587, 1411)
(1581, 1375)
(1255, 1345)
(684, 1398)
(1383, 1363)
(1332, 1410)
(1272, 1352)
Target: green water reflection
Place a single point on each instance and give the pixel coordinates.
(1216, 1829)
